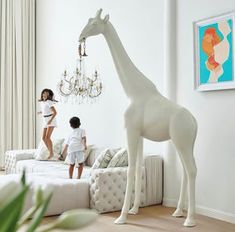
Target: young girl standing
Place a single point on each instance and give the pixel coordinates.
(49, 118)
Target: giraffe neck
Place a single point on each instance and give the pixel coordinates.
(132, 80)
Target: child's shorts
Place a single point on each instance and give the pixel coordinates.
(76, 155)
(52, 124)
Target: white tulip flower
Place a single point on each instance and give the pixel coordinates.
(74, 219)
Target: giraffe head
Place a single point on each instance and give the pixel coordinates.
(94, 26)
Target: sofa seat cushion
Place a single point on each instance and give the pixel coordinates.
(48, 168)
(67, 194)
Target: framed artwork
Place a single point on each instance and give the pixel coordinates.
(214, 53)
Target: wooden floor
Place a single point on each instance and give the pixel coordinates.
(154, 218)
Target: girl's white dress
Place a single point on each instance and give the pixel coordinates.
(47, 113)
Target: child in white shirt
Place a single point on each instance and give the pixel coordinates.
(75, 147)
(49, 118)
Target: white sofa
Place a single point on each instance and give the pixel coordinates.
(102, 189)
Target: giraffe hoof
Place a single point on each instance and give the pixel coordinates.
(121, 220)
(133, 211)
(178, 213)
(189, 222)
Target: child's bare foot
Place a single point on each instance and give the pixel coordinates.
(50, 156)
(61, 158)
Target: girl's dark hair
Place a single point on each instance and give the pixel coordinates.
(50, 95)
(75, 122)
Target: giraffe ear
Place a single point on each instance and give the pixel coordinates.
(98, 13)
(106, 18)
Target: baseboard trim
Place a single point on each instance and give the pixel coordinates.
(202, 210)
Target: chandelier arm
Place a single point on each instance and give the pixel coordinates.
(63, 93)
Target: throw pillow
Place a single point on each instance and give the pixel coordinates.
(58, 145)
(94, 153)
(103, 159)
(42, 152)
(120, 159)
(88, 151)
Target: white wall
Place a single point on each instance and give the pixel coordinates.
(140, 27)
(215, 113)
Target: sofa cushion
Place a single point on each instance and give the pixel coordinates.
(67, 193)
(95, 151)
(104, 158)
(50, 168)
(42, 152)
(120, 159)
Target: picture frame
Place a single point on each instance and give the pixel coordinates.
(214, 53)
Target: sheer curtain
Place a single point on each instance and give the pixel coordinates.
(17, 75)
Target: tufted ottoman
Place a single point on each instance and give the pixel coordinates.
(108, 186)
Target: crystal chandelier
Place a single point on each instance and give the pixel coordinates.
(79, 86)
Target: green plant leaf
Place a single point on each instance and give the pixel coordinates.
(37, 201)
(23, 178)
(11, 210)
(29, 213)
(39, 214)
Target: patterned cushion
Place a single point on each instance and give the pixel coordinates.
(120, 159)
(103, 159)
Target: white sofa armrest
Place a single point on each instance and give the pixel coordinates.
(12, 156)
(108, 187)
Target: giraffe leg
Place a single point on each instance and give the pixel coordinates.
(183, 130)
(179, 210)
(132, 139)
(191, 171)
(138, 178)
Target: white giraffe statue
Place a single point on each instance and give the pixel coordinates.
(149, 115)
